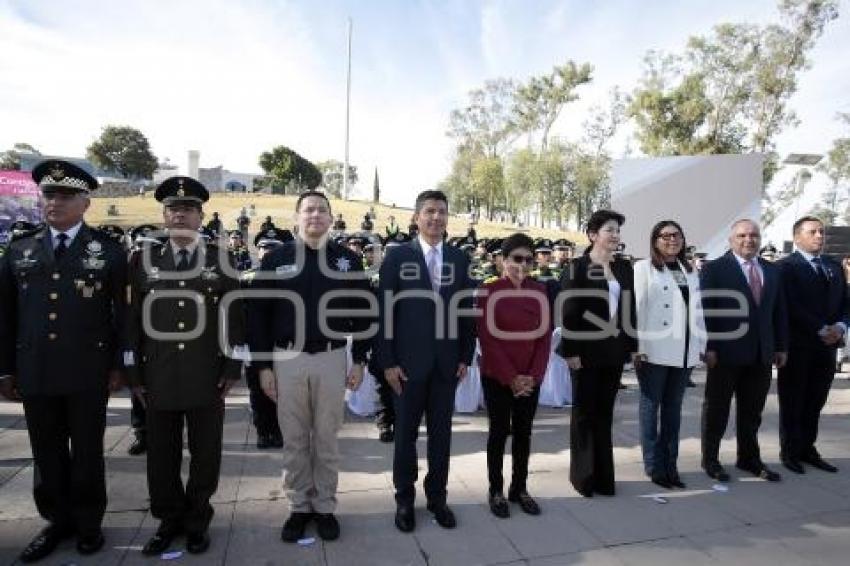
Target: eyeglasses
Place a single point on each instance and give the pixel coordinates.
(669, 236)
(527, 259)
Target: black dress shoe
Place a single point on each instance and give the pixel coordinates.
(90, 543)
(197, 543)
(817, 462)
(716, 472)
(276, 440)
(793, 465)
(293, 528)
(762, 472)
(327, 526)
(386, 435)
(264, 441)
(443, 515)
(139, 446)
(44, 543)
(525, 501)
(405, 518)
(499, 505)
(676, 481)
(661, 480)
(160, 541)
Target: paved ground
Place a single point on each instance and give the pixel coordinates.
(803, 520)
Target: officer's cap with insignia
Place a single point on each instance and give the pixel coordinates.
(56, 175)
(543, 245)
(494, 245)
(181, 190)
(563, 244)
(272, 237)
(397, 239)
(21, 226)
(143, 232)
(373, 242)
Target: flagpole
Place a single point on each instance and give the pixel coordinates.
(347, 115)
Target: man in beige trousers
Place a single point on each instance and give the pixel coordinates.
(298, 340)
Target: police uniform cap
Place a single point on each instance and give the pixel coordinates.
(112, 230)
(181, 190)
(142, 231)
(563, 244)
(543, 245)
(57, 175)
(271, 238)
(19, 226)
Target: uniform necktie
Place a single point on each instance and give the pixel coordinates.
(434, 269)
(61, 246)
(183, 262)
(755, 280)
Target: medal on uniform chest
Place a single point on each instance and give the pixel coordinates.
(153, 274)
(342, 264)
(94, 249)
(26, 261)
(208, 273)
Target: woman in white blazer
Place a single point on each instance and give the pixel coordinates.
(671, 340)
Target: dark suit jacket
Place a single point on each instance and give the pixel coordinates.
(811, 305)
(408, 327)
(767, 323)
(181, 374)
(579, 312)
(61, 321)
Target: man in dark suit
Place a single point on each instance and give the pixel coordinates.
(425, 348)
(176, 366)
(818, 322)
(741, 347)
(61, 313)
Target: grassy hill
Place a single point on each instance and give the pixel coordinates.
(137, 210)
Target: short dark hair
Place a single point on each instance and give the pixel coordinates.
(655, 256)
(430, 195)
(515, 242)
(798, 225)
(307, 194)
(597, 220)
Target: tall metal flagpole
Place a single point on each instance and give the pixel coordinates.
(347, 115)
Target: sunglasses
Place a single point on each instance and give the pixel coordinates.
(526, 259)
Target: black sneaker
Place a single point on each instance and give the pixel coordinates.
(327, 526)
(293, 528)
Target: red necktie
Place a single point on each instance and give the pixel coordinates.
(755, 280)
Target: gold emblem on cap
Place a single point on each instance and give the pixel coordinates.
(57, 172)
(180, 191)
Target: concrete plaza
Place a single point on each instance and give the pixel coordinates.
(802, 520)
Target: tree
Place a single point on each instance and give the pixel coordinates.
(521, 182)
(123, 150)
(837, 168)
(539, 102)
(458, 184)
(290, 173)
(332, 176)
(376, 188)
(486, 123)
(728, 91)
(11, 159)
(487, 180)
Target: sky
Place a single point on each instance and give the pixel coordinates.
(233, 79)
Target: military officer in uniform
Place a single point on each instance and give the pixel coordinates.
(263, 409)
(62, 308)
(180, 371)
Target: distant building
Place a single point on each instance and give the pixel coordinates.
(219, 179)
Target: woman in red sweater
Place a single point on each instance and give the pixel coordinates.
(514, 331)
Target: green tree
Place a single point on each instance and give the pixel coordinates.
(290, 173)
(332, 176)
(837, 168)
(486, 123)
(487, 181)
(521, 182)
(458, 184)
(728, 91)
(123, 150)
(11, 159)
(539, 102)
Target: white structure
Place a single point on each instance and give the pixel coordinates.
(165, 170)
(217, 179)
(194, 161)
(703, 193)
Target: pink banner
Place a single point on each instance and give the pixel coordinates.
(18, 183)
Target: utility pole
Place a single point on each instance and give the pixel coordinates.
(347, 115)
